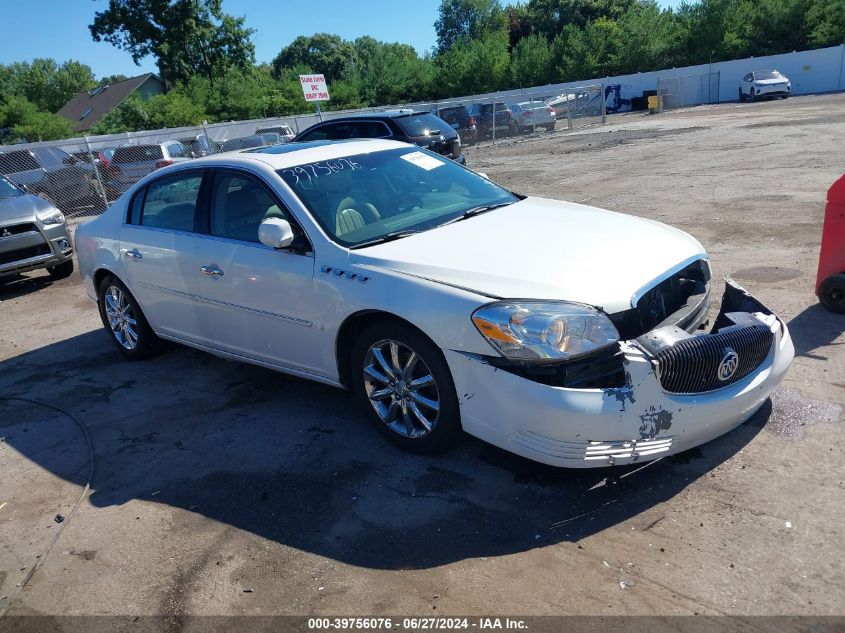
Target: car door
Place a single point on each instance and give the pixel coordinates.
(255, 301)
(157, 246)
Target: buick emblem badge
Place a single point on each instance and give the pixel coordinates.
(728, 365)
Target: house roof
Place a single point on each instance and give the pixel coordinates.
(89, 106)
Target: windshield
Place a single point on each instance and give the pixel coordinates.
(364, 197)
(8, 190)
(767, 74)
(421, 124)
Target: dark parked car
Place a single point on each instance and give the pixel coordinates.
(484, 120)
(282, 130)
(459, 118)
(53, 174)
(418, 128)
(244, 142)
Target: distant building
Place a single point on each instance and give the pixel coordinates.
(89, 106)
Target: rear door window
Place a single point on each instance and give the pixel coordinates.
(170, 203)
(14, 162)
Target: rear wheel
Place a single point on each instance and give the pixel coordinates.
(405, 385)
(741, 95)
(61, 271)
(125, 322)
(832, 293)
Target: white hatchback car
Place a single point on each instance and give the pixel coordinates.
(764, 83)
(567, 334)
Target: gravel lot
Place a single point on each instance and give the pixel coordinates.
(220, 488)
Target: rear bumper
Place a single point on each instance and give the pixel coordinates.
(582, 428)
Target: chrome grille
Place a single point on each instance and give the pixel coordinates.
(692, 365)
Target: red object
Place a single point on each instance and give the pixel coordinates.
(471, 121)
(163, 163)
(832, 255)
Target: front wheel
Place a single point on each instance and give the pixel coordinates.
(741, 95)
(406, 387)
(125, 322)
(832, 293)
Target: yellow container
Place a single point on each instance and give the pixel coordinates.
(652, 102)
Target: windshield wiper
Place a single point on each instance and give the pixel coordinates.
(387, 237)
(469, 213)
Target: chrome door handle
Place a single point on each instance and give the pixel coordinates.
(212, 271)
(133, 254)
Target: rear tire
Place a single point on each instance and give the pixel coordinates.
(126, 324)
(832, 293)
(402, 380)
(61, 271)
(741, 95)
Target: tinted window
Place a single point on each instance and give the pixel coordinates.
(137, 154)
(17, 161)
(239, 204)
(421, 124)
(170, 203)
(321, 133)
(8, 190)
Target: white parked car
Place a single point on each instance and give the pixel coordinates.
(530, 115)
(564, 333)
(764, 83)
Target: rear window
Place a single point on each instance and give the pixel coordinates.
(137, 154)
(421, 124)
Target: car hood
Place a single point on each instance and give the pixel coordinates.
(21, 208)
(542, 249)
(771, 82)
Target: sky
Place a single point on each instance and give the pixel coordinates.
(61, 29)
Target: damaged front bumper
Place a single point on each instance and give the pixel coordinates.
(681, 390)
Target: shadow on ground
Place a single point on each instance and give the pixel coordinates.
(296, 462)
(813, 328)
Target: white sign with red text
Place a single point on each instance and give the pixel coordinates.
(314, 87)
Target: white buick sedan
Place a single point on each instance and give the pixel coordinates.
(567, 334)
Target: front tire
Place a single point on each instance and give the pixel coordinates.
(125, 322)
(61, 271)
(741, 95)
(404, 383)
(832, 293)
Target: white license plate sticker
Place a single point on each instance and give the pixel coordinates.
(422, 160)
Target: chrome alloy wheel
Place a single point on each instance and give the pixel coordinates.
(401, 389)
(121, 317)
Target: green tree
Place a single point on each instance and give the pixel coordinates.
(111, 79)
(186, 37)
(826, 22)
(47, 84)
(549, 17)
(21, 120)
(531, 61)
(320, 53)
(474, 66)
(467, 20)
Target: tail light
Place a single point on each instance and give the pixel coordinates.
(471, 121)
(526, 113)
(163, 163)
(551, 110)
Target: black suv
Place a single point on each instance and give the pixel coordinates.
(459, 118)
(418, 128)
(504, 120)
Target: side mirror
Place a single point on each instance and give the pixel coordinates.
(483, 175)
(275, 233)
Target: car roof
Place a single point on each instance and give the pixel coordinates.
(384, 114)
(298, 153)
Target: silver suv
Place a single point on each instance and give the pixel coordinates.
(33, 234)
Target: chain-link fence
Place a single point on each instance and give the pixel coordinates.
(82, 176)
(689, 90)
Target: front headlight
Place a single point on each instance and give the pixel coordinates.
(50, 216)
(544, 330)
